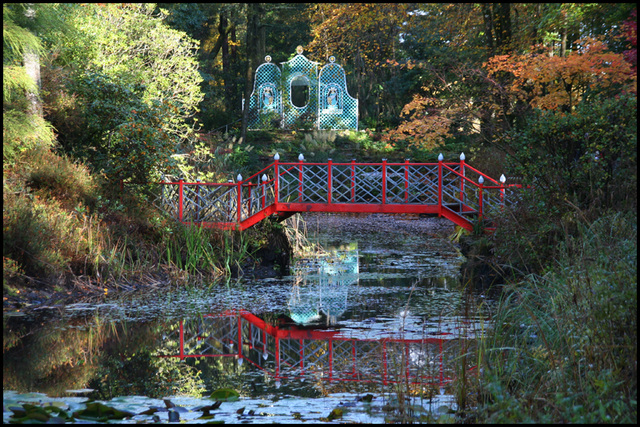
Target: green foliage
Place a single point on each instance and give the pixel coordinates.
(565, 344)
(124, 136)
(143, 374)
(132, 46)
(23, 131)
(582, 163)
(225, 395)
(21, 128)
(216, 158)
(191, 249)
(41, 237)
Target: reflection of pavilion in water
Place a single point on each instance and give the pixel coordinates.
(325, 292)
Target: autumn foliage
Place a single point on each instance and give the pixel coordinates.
(559, 83)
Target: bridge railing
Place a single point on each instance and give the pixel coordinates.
(478, 192)
(359, 183)
(457, 187)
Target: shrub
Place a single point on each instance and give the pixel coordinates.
(58, 176)
(564, 347)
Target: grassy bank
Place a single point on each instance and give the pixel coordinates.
(66, 229)
(564, 343)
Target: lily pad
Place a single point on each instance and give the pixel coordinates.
(225, 395)
(97, 411)
(335, 414)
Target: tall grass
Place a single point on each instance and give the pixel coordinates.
(564, 348)
(204, 252)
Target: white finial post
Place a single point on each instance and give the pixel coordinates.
(462, 175)
(301, 157)
(264, 178)
(480, 200)
(440, 157)
(239, 178)
(503, 179)
(276, 157)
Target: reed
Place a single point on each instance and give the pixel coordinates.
(564, 347)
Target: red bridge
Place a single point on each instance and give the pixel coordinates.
(455, 191)
(291, 352)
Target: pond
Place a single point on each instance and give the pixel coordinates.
(369, 328)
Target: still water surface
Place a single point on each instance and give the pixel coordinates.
(368, 316)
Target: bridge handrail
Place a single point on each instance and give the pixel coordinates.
(263, 192)
(470, 180)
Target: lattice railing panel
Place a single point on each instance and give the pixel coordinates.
(343, 184)
(217, 335)
(397, 184)
(314, 182)
(209, 203)
(368, 184)
(423, 184)
(256, 197)
(344, 364)
(168, 199)
(303, 183)
(290, 357)
(316, 356)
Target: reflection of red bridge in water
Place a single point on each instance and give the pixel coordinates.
(291, 352)
(452, 190)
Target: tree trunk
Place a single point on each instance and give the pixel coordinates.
(32, 66)
(253, 26)
(488, 27)
(502, 26)
(226, 65)
(31, 61)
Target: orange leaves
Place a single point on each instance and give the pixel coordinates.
(428, 123)
(554, 82)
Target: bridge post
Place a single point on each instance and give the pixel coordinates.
(384, 362)
(239, 190)
(481, 181)
(384, 181)
(503, 179)
(462, 180)
(264, 191)
(198, 200)
(180, 194)
(353, 180)
(300, 176)
(276, 184)
(406, 180)
(440, 158)
(329, 188)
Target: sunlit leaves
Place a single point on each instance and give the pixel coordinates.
(133, 45)
(555, 83)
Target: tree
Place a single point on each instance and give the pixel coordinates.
(135, 84)
(559, 83)
(23, 126)
(362, 37)
(131, 44)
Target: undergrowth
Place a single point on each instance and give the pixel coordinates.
(564, 346)
(62, 224)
